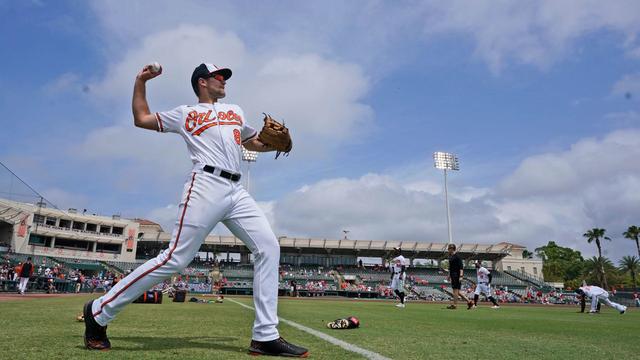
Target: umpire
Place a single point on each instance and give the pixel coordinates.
(456, 272)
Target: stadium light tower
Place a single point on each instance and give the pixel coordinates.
(249, 156)
(446, 161)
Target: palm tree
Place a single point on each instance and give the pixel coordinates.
(526, 254)
(593, 270)
(596, 234)
(633, 233)
(630, 264)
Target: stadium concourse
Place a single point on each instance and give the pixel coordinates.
(76, 252)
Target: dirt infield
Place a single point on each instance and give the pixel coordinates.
(462, 305)
(28, 296)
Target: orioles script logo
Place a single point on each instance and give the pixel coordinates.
(197, 123)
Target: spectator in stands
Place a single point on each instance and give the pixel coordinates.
(94, 284)
(16, 271)
(456, 272)
(50, 288)
(26, 270)
(4, 272)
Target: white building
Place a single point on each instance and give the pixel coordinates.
(516, 263)
(38, 230)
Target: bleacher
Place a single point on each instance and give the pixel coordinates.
(431, 293)
(35, 259)
(123, 266)
(502, 279)
(530, 280)
(71, 263)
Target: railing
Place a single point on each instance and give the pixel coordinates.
(530, 279)
(79, 231)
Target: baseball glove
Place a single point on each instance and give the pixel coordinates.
(275, 135)
(351, 322)
(80, 317)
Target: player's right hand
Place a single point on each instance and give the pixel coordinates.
(146, 73)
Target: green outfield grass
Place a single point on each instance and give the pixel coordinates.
(46, 329)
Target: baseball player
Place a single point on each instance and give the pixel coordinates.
(214, 133)
(398, 275)
(483, 286)
(456, 273)
(26, 271)
(596, 294)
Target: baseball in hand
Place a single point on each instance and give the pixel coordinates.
(154, 67)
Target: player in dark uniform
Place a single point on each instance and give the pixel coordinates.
(456, 272)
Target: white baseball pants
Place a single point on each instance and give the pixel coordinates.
(483, 288)
(207, 200)
(397, 283)
(605, 299)
(22, 287)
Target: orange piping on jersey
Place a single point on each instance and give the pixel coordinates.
(160, 127)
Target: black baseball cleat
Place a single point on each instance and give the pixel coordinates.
(95, 336)
(469, 304)
(277, 347)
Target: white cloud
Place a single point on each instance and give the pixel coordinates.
(552, 196)
(64, 83)
(318, 98)
(535, 33)
(629, 85)
(65, 200)
(589, 161)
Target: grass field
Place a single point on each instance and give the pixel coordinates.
(46, 329)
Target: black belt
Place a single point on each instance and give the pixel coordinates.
(223, 173)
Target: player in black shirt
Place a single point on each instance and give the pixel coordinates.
(456, 272)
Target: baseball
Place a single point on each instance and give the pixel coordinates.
(154, 67)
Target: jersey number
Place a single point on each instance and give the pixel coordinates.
(236, 136)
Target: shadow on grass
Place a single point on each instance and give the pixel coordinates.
(154, 343)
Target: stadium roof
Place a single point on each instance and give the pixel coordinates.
(364, 248)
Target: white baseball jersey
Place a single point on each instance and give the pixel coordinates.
(483, 275)
(482, 287)
(213, 132)
(592, 291)
(396, 265)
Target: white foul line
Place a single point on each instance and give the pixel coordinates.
(345, 345)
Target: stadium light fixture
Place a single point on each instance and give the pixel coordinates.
(446, 161)
(249, 156)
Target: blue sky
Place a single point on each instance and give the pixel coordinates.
(538, 99)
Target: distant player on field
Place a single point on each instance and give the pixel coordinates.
(398, 275)
(456, 272)
(483, 286)
(596, 294)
